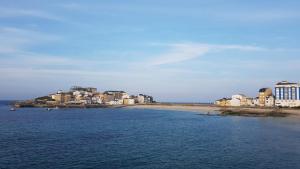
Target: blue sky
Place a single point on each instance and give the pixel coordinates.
(175, 50)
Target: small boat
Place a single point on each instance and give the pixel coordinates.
(48, 109)
(12, 109)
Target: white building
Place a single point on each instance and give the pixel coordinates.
(96, 100)
(270, 101)
(256, 101)
(114, 102)
(250, 102)
(238, 100)
(287, 94)
(125, 96)
(128, 101)
(141, 99)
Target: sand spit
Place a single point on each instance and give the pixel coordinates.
(212, 109)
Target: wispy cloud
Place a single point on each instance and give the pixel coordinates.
(32, 34)
(187, 51)
(181, 52)
(74, 6)
(255, 15)
(14, 12)
(239, 13)
(13, 40)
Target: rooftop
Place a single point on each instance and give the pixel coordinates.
(264, 89)
(285, 83)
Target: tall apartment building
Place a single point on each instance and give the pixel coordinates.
(287, 94)
(263, 94)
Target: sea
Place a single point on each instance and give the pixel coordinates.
(34, 138)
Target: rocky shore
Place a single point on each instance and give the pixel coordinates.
(24, 105)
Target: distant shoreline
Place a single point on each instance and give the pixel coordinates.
(213, 109)
(207, 109)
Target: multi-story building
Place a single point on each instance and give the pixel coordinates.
(287, 94)
(108, 97)
(263, 94)
(238, 100)
(118, 95)
(142, 98)
(97, 98)
(61, 97)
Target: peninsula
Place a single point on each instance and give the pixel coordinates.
(266, 104)
(86, 97)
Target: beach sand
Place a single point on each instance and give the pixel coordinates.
(178, 107)
(212, 109)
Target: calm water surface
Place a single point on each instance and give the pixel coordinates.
(134, 138)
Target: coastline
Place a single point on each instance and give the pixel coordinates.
(205, 109)
(213, 109)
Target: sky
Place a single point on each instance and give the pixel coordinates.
(174, 50)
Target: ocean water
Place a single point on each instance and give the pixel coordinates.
(137, 138)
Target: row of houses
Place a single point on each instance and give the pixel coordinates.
(78, 95)
(286, 95)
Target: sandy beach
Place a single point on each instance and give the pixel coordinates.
(180, 107)
(212, 109)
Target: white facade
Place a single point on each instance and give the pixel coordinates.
(141, 99)
(96, 100)
(270, 101)
(250, 102)
(128, 101)
(256, 102)
(125, 96)
(76, 93)
(115, 102)
(238, 100)
(287, 94)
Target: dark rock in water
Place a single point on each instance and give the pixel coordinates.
(254, 114)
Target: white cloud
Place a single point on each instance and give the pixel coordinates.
(14, 12)
(181, 52)
(15, 40)
(187, 51)
(74, 6)
(30, 34)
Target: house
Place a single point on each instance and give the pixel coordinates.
(97, 98)
(270, 101)
(114, 102)
(255, 102)
(128, 101)
(117, 95)
(107, 97)
(249, 102)
(61, 97)
(287, 94)
(142, 98)
(225, 102)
